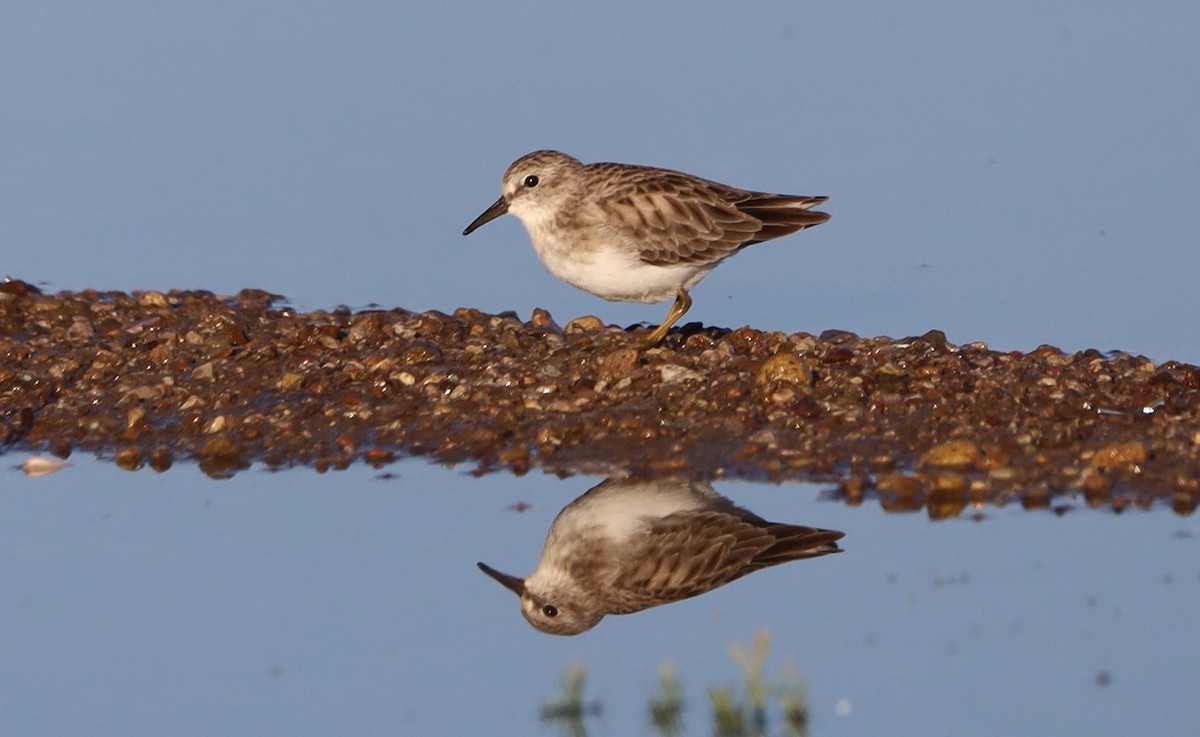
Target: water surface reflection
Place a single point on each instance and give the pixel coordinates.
(628, 545)
(144, 604)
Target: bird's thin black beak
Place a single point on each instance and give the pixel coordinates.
(512, 583)
(498, 208)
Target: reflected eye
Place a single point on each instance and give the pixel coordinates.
(532, 181)
(550, 610)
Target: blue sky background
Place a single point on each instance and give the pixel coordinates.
(1017, 173)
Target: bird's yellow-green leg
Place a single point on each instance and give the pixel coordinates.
(682, 304)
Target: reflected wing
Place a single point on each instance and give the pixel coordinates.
(694, 552)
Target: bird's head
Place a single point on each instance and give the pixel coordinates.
(550, 609)
(533, 188)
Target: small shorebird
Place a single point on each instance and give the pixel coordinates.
(626, 545)
(635, 233)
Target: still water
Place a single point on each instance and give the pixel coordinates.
(350, 603)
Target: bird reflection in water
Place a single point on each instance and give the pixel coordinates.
(628, 545)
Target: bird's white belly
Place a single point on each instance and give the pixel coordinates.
(612, 270)
(616, 509)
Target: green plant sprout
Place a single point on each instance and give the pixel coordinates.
(750, 715)
(569, 710)
(745, 709)
(666, 707)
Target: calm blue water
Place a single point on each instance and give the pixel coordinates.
(298, 603)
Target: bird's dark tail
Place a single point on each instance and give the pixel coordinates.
(782, 214)
(793, 542)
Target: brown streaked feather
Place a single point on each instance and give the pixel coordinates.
(676, 218)
(719, 550)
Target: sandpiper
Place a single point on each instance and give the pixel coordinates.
(628, 545)
(636, 233)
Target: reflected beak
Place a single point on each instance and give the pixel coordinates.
(512, 583)
(496, 210)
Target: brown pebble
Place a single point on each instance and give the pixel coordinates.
(203, 372)
(129, 459)
(951, 453)
(160, 459)
(946, 503)
(898, 483)
(378, 457)
(290, 381)
(1183, 504)
(1120, 455)
(784, 367)
(220, 457)
(152, 299)
(946, 481)
(221, 447)
(584, 324)
(542, 319)
(1095, 482)
(619, 363)
(1036, 497)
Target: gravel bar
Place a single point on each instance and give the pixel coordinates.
(149, 378)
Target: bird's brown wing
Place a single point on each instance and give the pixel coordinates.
(675, 218)
(694, 552)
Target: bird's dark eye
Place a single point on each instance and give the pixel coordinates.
(549, 610)
(531, 181)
